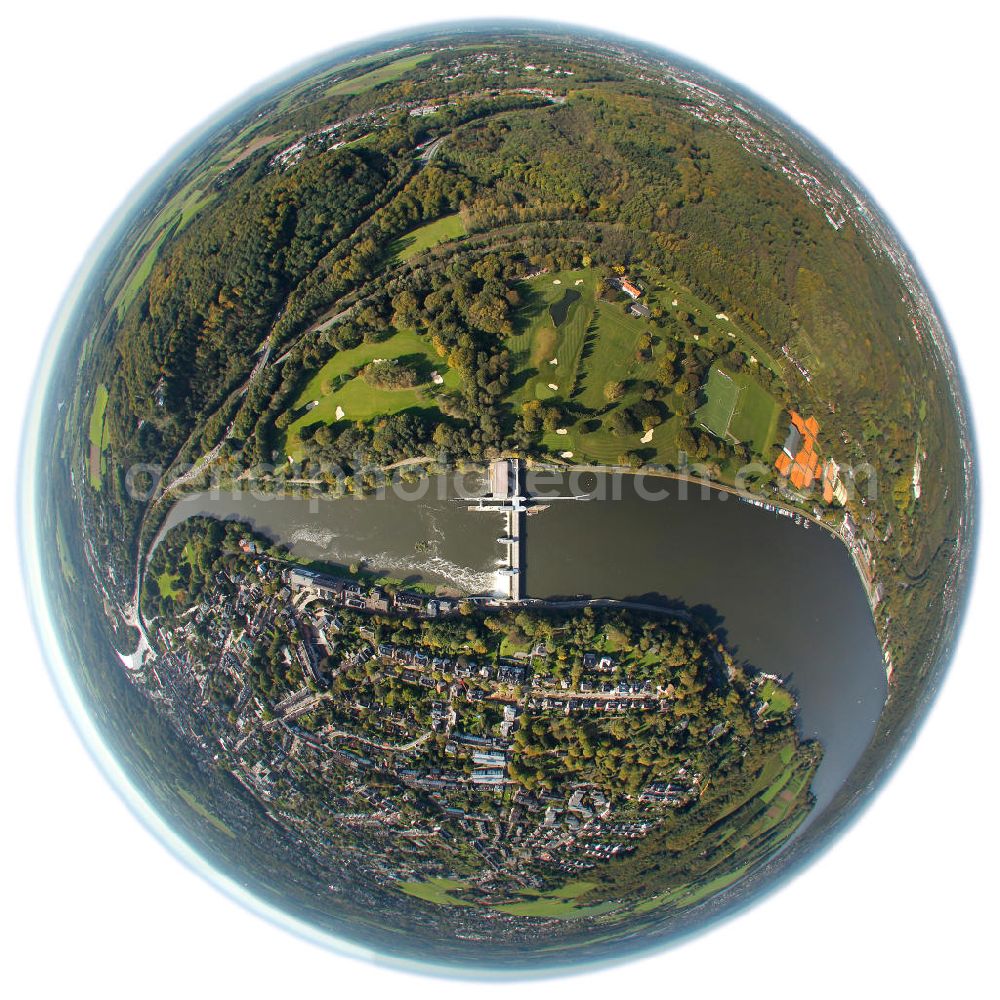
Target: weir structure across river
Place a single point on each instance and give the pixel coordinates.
(507, 497)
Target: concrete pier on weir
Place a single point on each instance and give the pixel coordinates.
(505, 498)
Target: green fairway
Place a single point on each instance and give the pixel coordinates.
(610, 354)
(357, 399)
(383, 74)
(178, 212)
(551, 325)
(167, 583)
(448, 227)
(718, 328)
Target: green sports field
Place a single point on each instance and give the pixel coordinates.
(738, 409)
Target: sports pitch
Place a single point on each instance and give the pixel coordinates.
(738, 409)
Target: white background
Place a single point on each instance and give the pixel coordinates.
(94, 94)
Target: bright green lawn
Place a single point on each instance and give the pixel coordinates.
(537, 341)
(610, 354)
(739, 409)
(723, 392)
(448, 227)
(779, 701)
(167, 582)
(359, 400)
(756, 417)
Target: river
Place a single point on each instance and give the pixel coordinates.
(787, 599)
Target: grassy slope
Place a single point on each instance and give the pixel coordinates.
(448, 227)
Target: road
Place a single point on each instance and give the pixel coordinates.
(393, 748)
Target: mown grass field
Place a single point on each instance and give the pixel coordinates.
(723, 393)
(383, 74)
(448, 227)
(739, 409)
(436, 890)
(610, 353)
(550, 324)
(779, 701)
(756, 417)
(167, 583)
(595, 343)
(136, 266)
(358, 399)
(98, 436)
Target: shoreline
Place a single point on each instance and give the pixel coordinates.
(421, 464)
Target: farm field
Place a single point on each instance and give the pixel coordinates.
(98, 436)
(436, 890)
(448, 227)
(383, 74)
(359, 400)
(171, 220)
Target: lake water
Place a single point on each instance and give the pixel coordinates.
(788, 599)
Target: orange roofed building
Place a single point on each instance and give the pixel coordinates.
(798, 460)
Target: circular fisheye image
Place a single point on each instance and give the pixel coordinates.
(502, 498)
